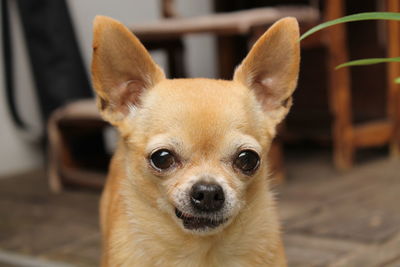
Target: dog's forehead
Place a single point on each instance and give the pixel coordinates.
(199, 103)
(202, 91)
(200, 109)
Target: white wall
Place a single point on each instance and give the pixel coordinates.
(17, 152)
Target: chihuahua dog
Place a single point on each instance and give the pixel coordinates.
(188, 184)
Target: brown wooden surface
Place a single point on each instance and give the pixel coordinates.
(240, 22)
(64, 167)
(339, 87)
(393, 95)
(376, 133)
(174, 49)
(346, 135)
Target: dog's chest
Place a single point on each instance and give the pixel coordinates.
(190, 256)
(179, 252)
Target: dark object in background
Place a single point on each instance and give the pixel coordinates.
(60, 78)
(8, 64)
(58, 70)
(310, 118)
(76, 152)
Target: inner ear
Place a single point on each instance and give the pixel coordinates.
(124, 97)
(270, 96)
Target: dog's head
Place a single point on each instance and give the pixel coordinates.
(195, 147)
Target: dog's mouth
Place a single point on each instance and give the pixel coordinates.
(191, 222)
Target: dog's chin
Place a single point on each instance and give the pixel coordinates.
(200, 225)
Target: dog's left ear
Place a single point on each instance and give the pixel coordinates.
(272, 66)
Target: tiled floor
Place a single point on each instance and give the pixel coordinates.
(330, 219)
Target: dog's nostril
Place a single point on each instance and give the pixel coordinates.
(207, 196)
(218, 197)
(198, 196)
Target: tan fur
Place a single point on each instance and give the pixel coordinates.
(204, 121)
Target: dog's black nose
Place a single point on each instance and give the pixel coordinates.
(207, 197)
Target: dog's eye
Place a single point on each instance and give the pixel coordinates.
(162, 159)
(247, 161)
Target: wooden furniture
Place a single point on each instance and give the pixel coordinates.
(223, 25)
(347, 136)
(72, 129)
(393, 96)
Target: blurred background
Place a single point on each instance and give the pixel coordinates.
(82, 15)
(335, 162)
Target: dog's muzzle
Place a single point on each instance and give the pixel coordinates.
(206, 199)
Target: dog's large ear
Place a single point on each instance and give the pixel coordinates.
(121, 69)
(271, 68)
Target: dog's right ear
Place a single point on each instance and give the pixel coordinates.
(122, 69)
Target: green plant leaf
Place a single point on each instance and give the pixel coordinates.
(354, 17)
(368, 61)
(397, 80)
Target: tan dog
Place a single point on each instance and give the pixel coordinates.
(188, 184)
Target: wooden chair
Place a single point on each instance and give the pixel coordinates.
(347, 136)
(173, 27)
(71, 130)
(393, 96)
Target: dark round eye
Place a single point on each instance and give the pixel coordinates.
(162, 159)
(247, 161)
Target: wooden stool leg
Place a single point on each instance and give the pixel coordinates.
(53, 154)
(393, 94)
(231, 51)
(176, 63)
(226, 62)
(175, 50)
(339, 88)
